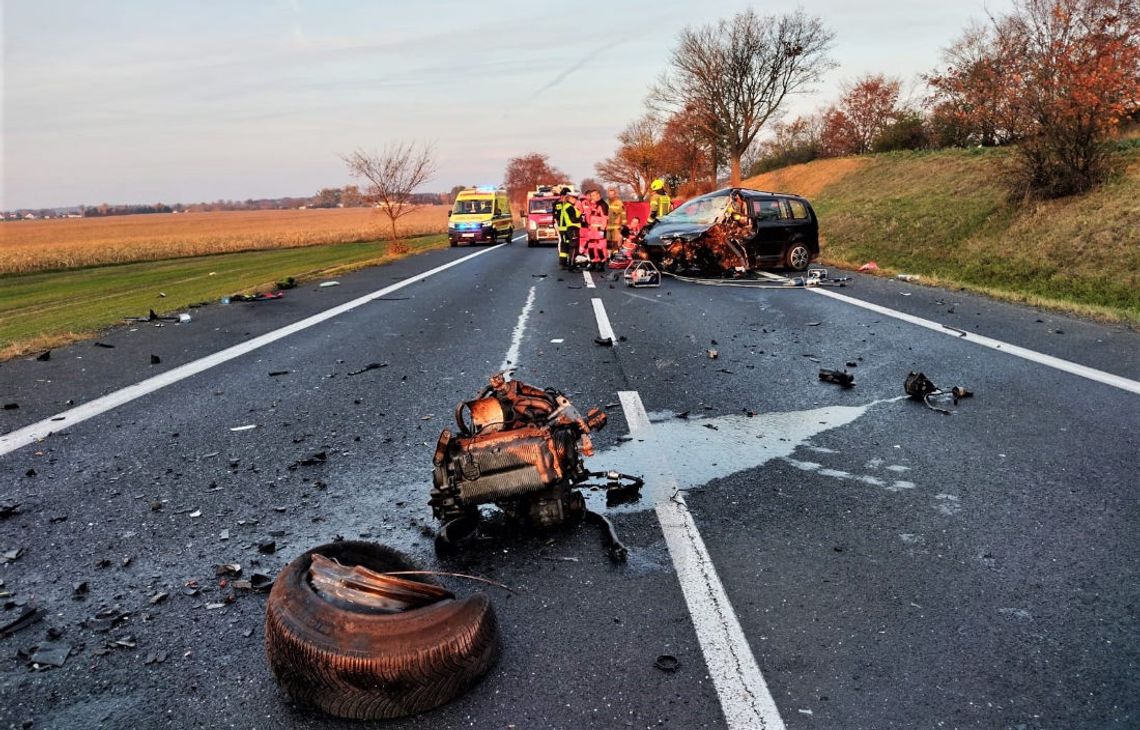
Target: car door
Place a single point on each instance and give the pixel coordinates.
(770, 219)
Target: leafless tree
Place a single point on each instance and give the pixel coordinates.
(393, 175)
(739, 71)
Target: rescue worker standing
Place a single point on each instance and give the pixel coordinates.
(660, 204)
(615, 219)
(565, 251)
(569, 226)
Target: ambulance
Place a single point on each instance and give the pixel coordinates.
(480, 215)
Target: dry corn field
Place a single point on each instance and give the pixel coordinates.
(43, 245)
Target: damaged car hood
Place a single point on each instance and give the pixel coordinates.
(665, 232)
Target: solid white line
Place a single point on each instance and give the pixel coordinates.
(604, 328)
(512, 358)
(744, 696)
(37, 431)
(1057, 363)
(588, 279)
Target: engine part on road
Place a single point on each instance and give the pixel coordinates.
(920, 387)
(839, 377)
(520, 448)
(345, 636)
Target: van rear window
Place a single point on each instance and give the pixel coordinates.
(799, 210)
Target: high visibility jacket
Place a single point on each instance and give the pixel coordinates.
(616, 214)
(556, 209)
(569, 217)
(660, 205)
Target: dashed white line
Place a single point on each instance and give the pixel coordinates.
(604, 328)
(744, 696)
(1057, 363)
(37, 431)
(588, 279)
(512, 357)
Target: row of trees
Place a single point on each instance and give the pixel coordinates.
(1056, 77)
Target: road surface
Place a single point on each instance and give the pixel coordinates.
(814, 557)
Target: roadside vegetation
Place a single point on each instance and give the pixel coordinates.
(46, 245)
(49, 309)
(946, 216)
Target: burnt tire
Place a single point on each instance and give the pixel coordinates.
(355, 663)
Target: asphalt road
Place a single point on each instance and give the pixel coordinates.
(887, 566)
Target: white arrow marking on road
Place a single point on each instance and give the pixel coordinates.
(744, 696)
(38, 431)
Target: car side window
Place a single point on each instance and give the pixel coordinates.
(767, 210)
(799, 210)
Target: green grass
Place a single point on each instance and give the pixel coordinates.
(946, 216)
(44, 310)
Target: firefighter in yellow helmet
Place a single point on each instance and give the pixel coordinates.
(660, 204)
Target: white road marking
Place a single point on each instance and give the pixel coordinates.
(744, 697)
(38, 431)
(512, 358)
(1057, 363)
(604, 328)
(588, 279)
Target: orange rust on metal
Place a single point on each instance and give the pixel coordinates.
(360, 586)
(486, 415)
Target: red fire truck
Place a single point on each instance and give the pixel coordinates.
(539, 214)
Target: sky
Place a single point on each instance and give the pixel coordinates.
(161, 101)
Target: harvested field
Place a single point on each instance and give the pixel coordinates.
(47, 245)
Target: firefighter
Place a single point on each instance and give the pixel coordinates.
(660, 204)
(569, 226)
(615, 219)
(565, 251)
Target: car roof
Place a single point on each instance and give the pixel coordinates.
(752, 193)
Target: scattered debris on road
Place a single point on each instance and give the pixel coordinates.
(604, 341)
(667, 663)
(44, 356)
(920, 387)
(246, 427)
(327, 284)
(521, 448)
(869, 266)
(256, 297)
(839, 377)
(369, 366)
(51, 654)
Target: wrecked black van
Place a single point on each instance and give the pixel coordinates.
(732, 231)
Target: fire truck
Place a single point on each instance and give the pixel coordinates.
(539, 214)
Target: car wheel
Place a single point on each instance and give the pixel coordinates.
(352, 661)
(454, 244)
(797, 257)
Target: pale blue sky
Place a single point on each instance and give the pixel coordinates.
(136, 102)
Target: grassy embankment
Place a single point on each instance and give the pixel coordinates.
(57, 285)
(945, 215)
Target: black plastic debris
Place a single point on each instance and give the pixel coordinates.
(155, 360)
(839, 377)
(80, 590)
(30, 473)
(51, 654)
(604, 341)
(11, 406)
(233, 569)
(9, 508)
(27, 617)
(44, 356)
(369, 366)
(267, 547)
(667, 663)
(105, 345)
(275, 373)
(317, 458)
(257, 297)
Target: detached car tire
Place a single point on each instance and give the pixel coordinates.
(354, 662)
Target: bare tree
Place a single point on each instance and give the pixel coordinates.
(739, 71)
(393, 176)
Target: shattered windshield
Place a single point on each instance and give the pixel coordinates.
(704, 210)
